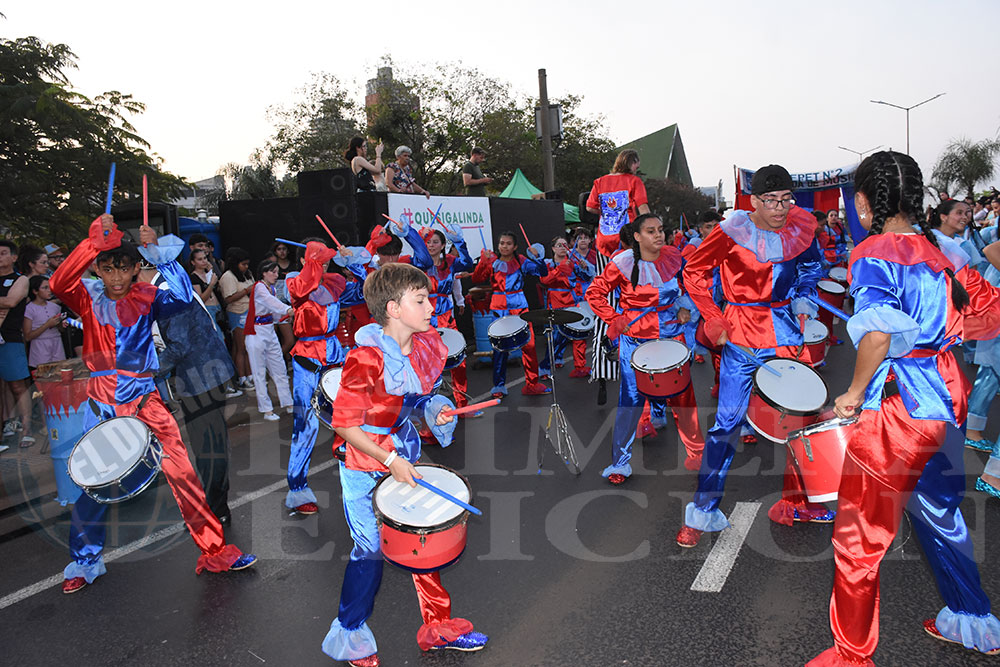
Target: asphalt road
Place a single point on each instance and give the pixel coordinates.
(561, 570)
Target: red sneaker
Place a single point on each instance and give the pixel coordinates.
(715, 391)
(307, 508)
(930, 627)
(688, 537)
(580, 373)
(617, 478)
(370, 661)
(536, 389)
(73, 585)
(699, 358)
(749, 439)
(497, 394)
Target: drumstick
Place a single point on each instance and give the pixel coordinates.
(802, 323)
(752, 358)
(833, 309)
(339, 244)
(447, 496)
(470, 408)
(525, 233)
(435, 218)
(391, 220)
(287, 242)
(111, 189)
(483, 239)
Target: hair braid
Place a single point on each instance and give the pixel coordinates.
(636, 257)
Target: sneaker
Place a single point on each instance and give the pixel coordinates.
(11, 427)
(496, 394)
(233, 392)
(688, 537)
(749, 439)
(930, 627)
(617, 478)
(580, 373)
(818, 515)
(370, 661)
(243, 562)
(271, 417)
(73, 585)
(715, 391)
(699, 358)
(560, 364)
(307, 508)
(289, 410)
(27, 441)
(544, 375)
(470, 641)
(536, 389)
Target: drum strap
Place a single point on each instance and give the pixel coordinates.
(763, 304)
(379, 430)
(266, 319)
(310, 365)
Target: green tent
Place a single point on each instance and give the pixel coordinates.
(521, 188)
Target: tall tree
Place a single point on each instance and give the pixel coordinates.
(966, 163)
(669, 200)
(56, 145)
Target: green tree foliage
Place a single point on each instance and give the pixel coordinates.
(57, 145)
(966, 163)
(668, 200)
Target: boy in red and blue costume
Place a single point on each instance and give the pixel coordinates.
(506, 275)
(566, 282)
(391, 375)
(316, 297)
(118, 316)
(768, 266)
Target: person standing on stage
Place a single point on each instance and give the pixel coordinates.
(653, 307)
(472, 176)
(117, 318)
(399, 174)
(263, 348)
(506, 274)
(914, 298)
(768, 265)
(617, 198)
(565, 283)
(390, 376)
(368, 176)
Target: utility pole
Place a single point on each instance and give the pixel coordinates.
(548, 167)
(907, 110)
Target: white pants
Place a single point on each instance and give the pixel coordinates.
(264, 351)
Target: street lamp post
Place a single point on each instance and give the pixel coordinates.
(907, 110)
(860, 154)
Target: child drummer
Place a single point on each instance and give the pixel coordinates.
(117, 316)
(391, 373)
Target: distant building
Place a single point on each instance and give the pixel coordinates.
(190, 195)
(383, 88)
(714, 192)
(662, 156)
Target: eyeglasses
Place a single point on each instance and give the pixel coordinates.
(771, 202)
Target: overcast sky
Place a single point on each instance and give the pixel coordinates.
(749, 82)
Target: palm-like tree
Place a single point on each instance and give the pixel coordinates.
(966, 163)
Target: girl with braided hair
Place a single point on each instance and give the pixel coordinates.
(653, 307)
(914, 298)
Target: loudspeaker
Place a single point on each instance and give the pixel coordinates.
(253, 224)
(586, 217)
(327, 183)
(162, 218)
(340, 215)
(554, 194)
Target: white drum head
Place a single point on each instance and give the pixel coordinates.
(453, 340)
(815, 332)
(831, 287)
(799, 388)
(587, 323)
(108, 451)
(659, 355)
(420, 507)
(839, 273)
(506, 326)
(329, 383)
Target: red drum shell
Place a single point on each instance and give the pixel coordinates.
(702, 338)
(835, 299)
(422, 552)
(814, 353)
(664, 382)
(818, 452)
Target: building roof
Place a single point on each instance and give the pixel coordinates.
(662, 155)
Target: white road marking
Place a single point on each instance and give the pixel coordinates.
(152, 538)
(720, 561)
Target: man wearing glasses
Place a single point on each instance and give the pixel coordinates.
(769, 263)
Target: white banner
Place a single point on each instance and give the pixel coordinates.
(814, 180)
(472, 214)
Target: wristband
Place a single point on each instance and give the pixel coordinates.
(389, 459)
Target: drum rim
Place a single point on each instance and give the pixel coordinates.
(820, 427)
(838, 269)
(461, 517)
(797, 413)
(666, 369)
(512, 333)
(104, 500)
(91, 490)
(323, 374)
(824, 339)
(843, 290)
(149, 433)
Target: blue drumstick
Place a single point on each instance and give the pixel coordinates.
(483, 239)
(111, 189)
(833, 309)
(752, 358)
(287, 242)
(447, 496)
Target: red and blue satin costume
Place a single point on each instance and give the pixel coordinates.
(652, 304)
(766, 277)
(316, 299)
(507, 280)
(906, 453)
(565, 285)
(380, 391)
(118, 349)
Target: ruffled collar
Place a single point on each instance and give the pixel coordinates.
(772, 246)
(124, 312)
(415, 373)
(651, 273)
(910, 250)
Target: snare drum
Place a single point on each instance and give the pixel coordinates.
(661, 368)
(116, 460)
(419, 530)
(818, 451)
(780, 405)
(814, 342)
(509, 333)
(325, 394)
(455, 342)
(831, 292)
(839, 274)
(583, 329)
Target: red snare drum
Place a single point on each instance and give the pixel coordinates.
(419, 530)
(780, 405)
(702, 337)
(661, 368)
(815, 339)
(832, 292)
(839, 274)
(818, 451)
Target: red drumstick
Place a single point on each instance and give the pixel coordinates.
(339, 245)
(525, 233)
(802, 322)
(470, 408)
(391, 220)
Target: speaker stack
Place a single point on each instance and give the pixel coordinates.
(330, 194)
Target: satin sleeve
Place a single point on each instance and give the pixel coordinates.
(484, 270)
(421, 257)
(877, 306)
(464, 260)
(558, 276)
(699, 277)
(306, 281)
(362, 369)
(66, 281)
(532, 266)
(266, 303)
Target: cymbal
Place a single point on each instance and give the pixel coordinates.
(550, 316)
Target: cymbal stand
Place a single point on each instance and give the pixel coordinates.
(557, 428)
